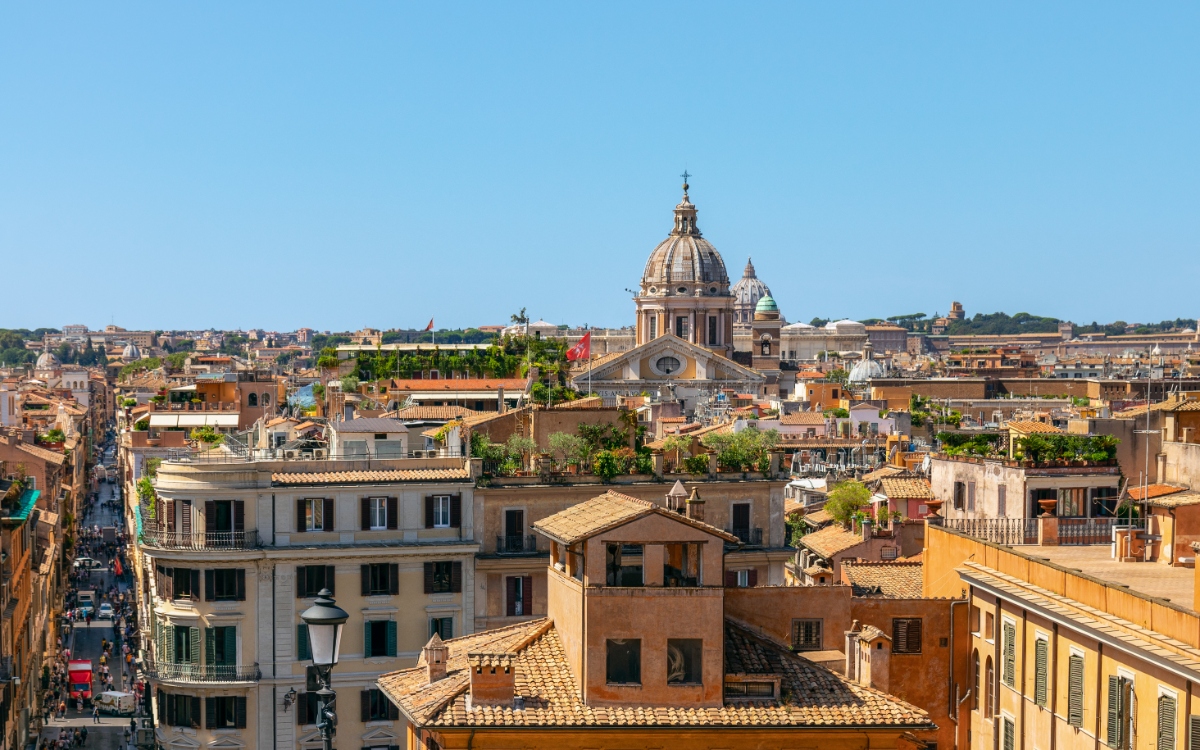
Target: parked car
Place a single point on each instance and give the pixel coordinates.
(87, 563)
(106, 612)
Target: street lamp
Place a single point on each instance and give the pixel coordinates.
(325, 620)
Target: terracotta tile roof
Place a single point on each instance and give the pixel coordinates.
(885, 471)
(1177, 500)
(1189, 405)
(673, 420)
(589, 402)
(901, 580)
(818, 517)
(608, 511)
(431, 412)
(49, 456)
(1170, 404)
(815, 696)
(803, 418)
(369, 477)
(906, 488)
(510, 385)
(1029, 427)
(831, 540)
(1153, 491)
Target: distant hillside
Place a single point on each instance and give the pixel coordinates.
(1003, 324)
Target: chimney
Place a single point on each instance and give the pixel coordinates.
(493, 679)
(436, 654)
(866, 529)
(500, 400)
(695, 506)
(677, 497)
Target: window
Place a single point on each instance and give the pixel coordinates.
(354, 448)
(974, 619)
(376, 706)
(1166, 722)
(1009, 673)
(225, 585)
(186, 583)
(741, 578)
(314, 514)
(1075, 690)
(684, 656)
(681, 564)
(1041, 668)
(740, 514)
(310, 579)
(623, 565)
(443, 511)
(443, 627)
(623, 662)
(187, 645)
(519, 596)
(223, 516)
(225, 712)
(889, 553)
(443, 577)
(806, 635)
(653, 327)
(681, 327)
(1002, 500)
(252, 399)
(960, 494)
(978, 681)
(1008, 734)
(179, 710)
(379, 513)
(712, 330)
(265, 399)
(906, 635)
(220, 646)
(1120, 703)
(380, 579)
(989, 631)
(379, 638)
(989, 688)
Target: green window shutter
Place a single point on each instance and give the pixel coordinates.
(1009, 734)
(230, 645)
(1166, 722)
(391, 645)
(169, 639)
(1010, 654)
(194, 643)
(303, 653)
(210, 646)
(1075, 692)
(367, 638)
(1113, 737)
(1041, 667)
(1194, 733)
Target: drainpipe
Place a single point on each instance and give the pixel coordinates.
(953, 688)
(1053, 686)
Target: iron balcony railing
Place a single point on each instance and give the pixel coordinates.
(516, 544)
(163, 539)
(749, 537)
(1009, 531)
(236, 453)
(203, 672)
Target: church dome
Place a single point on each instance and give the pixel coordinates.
(685, 263)
(131, 352)
(846, 328)
(47, 361)
(766, 304)
(864, 370)
(749, 289)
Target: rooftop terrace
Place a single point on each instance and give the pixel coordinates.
(1150, 578)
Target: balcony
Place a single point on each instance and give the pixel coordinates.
(199, 540)
(202, 673)
(748, 537)
(516, 545)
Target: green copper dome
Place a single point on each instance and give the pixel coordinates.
(766, 304)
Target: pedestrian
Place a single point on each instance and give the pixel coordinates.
(95, 714)
(62, 709)
(83, 735)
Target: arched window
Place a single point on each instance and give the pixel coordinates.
(266, 399)
(990, 676)
(975, 699)
(252, 400)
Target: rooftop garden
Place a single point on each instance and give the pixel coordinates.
(1041, 449)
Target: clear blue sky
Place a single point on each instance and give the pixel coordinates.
(172, 165)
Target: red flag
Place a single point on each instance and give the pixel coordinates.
(582, 350)
(117, 567)
(430, 326)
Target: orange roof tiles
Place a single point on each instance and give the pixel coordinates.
(831, 540)
(902, 580)
(431, 412)
(1154, 490)
(803, 418)
(815, 696)
(608, 511)
(906, 488)
(1029, 427)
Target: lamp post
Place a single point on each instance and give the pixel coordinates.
(325, 620)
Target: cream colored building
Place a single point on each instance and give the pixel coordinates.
(232, 551)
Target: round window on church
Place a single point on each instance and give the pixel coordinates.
(682, 290)
(667, 365)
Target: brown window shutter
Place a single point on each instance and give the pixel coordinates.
(527, 595)
(456, 511)
(169, 507)
(239, 515)
(752, 577)
(299, 514)
(210, 585)
(393, 713)
(365, 504)
(510, 599)
(210, 517)
(393, 515)
(429, 511)
(300, 582)
(731, 578)
(327, 518)
(393, 578)
(366, 579)
(241, 584)
(329, 571)
(456, 578)
(365, 705)
(428, 578)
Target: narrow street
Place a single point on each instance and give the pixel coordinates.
(86, 641)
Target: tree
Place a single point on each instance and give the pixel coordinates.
(570, 447)
(847, 499)
(837, 376)
(520, 318)
(349, 383)
(207, 435)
